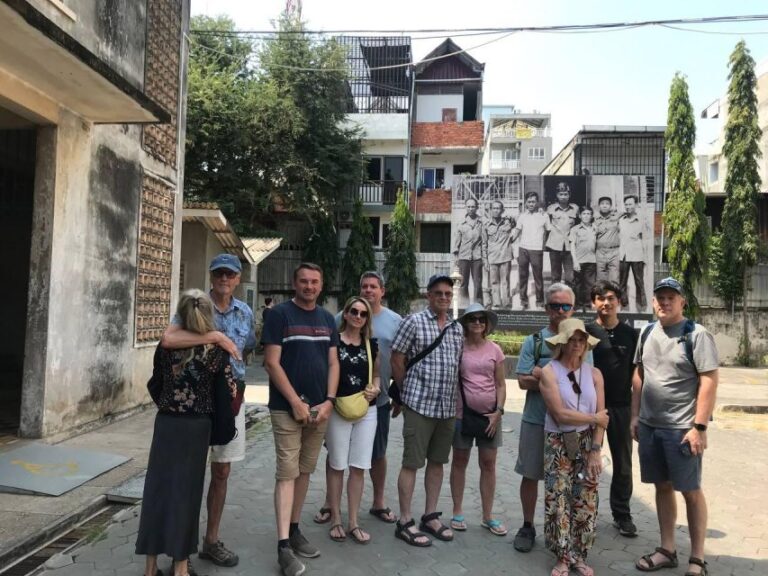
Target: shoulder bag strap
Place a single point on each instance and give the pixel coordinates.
(428, 350)
(370, 363)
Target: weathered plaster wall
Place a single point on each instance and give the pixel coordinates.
(726, 329)
(104, 28)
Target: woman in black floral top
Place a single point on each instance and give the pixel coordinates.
(350, 443)
(190, 381)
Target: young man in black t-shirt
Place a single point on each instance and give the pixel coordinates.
(613, 356)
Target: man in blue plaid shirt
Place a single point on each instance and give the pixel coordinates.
(428, 392)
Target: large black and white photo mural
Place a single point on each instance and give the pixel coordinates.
(513, 236)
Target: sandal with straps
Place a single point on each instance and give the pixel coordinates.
(402, 532)
(671, 561)
(698, 562)
(438, 533)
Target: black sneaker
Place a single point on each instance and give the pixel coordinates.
(524, 539)
(626, 526)
(289, 564)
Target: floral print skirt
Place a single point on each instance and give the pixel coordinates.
(570, 499)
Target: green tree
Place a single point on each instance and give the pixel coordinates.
(739, 239)
(400, 266)
(359, 256)
(684, 217)
(268, 134)
(322, 248)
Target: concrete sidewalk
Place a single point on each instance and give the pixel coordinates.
(25, 520)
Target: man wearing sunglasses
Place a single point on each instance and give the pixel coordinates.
(234, 319)
(534, 355)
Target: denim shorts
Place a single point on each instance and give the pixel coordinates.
(382, 432)
(664, 459)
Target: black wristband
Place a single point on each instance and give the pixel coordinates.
(700, 427)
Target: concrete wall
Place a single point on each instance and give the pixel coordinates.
(103, 28)
(726, 329)
(429, 107)
(81, 358)
(380, 126)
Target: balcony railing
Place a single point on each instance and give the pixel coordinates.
(519, 133)
(505, 164)
(377, 192)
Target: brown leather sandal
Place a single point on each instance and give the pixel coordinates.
(671, 561)
(698, 562)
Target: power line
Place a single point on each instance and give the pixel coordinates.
(501, 30)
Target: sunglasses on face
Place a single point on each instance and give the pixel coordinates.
(574, 384)
(440, 294)
(224, 272)
(554, 306)
(477, 320)
(358, 313)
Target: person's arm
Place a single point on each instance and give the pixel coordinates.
(595, 457)
(550, 392)
(175, 337)
(397, 363)
(637, 390)
(494, 418)
(572, 249)
(279, 378)
(326, 406)
(705, 404)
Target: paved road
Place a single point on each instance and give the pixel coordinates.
(734, 477)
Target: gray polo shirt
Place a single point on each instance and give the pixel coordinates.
(670, 381)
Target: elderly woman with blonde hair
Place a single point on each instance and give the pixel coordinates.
(574, 427)
(189, 386)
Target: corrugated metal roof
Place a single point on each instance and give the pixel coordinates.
(216, 222)
(260, 248)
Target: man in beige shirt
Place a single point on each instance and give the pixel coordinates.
(633, 235)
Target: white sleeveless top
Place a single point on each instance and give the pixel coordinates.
(586, 402)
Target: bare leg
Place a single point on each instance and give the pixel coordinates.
(406, 482)
(666, 511)
(379, 479)
(299, 494)
(354, 496)
(696, 508)
(321, 517)
(335, 484)
(283, 505)
(180, 567)
(487, 462)
(433, 482)
(217, 496)
(458, 479)
(150, 565)
(529, 491)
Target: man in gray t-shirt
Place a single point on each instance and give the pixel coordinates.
(673, 396)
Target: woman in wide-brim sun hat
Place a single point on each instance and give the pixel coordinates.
(574, 427)
(481, 373)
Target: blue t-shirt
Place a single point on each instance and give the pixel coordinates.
(385, 325)
(535, 410)
(305, 338)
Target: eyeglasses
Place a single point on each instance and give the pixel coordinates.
(226, 272)
(477, 320)
(356, 312)
(574, 384)
(441, 294)
(554, 306)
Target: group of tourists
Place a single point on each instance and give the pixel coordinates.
(337, 382)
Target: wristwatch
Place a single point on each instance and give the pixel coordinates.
(595, 448)
(500, 410)
(332, 399)
(700, 427)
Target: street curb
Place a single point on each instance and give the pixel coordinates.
(50, 532)
(743, 409)
(254, 413)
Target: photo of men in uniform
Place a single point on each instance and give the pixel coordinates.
(467, 252)
(530, 232)
(563, 195)
(497, 255)
(634, 231)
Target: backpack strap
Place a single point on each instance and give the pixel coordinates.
(644, 336)
(687, 339)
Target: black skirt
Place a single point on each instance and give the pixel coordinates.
(173, 489)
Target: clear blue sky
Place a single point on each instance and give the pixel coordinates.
(587, 78)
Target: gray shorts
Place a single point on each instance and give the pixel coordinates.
(530, 453)
(461, 442)
(664, 459)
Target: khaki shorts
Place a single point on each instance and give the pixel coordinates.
(296, 447)
(425, 438)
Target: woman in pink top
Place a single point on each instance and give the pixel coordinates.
(482, 377)
(575, 423)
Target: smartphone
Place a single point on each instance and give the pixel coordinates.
(685, 449)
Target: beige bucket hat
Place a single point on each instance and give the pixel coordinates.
(567, 329)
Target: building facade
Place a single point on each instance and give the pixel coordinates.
(92, 121)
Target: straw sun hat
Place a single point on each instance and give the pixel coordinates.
(567, 329)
